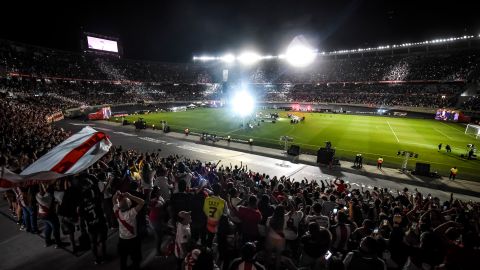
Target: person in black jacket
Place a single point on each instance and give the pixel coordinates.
(92, 215)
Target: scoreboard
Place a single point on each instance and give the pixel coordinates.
(95, 43)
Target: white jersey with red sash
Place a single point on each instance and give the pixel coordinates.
(127, 222)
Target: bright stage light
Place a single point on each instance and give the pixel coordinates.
(243, 103)
(248, 58)
(228, 58)
(299, 53)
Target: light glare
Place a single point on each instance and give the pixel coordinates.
(248, 58)
(243, 103)
(228, 58)
(299, 53)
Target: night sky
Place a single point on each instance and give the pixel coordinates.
(178, 29)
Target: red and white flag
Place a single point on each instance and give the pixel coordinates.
(72, 156)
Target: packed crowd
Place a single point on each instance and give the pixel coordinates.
(472, 104)
(412, 95)
(92, 79)
(74, 94)
(226, 217)
(443, 65)
(265, 221)
(25, 134)
(67, 94)
(44, 62)
(219, 216)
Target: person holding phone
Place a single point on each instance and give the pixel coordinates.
(314, 244)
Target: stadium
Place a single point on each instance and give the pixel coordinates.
(294, 143)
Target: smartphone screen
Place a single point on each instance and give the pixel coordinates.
(335, 210)
(375, 231)
(328, 255)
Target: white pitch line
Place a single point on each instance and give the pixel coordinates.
(450, 138)
(461, 131)
(231, 131)
(393, 132)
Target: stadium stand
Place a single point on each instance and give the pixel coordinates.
(434, 79)
(293, 224)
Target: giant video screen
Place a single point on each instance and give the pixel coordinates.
(447, 115)
(101, 44)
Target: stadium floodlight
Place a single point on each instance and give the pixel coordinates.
(249, 58)
(228, 58)
(243, 103)
(267, 57)
(204, 58)
(299, 53)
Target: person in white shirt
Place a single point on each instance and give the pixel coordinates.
(292, 221)
(161, 181)
(128, 243)
(317, 216)
(148, 174)
(183, 235)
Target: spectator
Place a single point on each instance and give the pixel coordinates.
(250, 218)
(315, 244)
(317, 216)
(365, 257)
(91, 213)
(129, 244)
(247, 260)
(214, 207)
(182, 236)
(47, 213)
(341, 232)
(158, 218)
(275, 242)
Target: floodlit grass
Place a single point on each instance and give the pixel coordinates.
(373, 136)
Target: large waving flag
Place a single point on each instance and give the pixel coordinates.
(72, 156)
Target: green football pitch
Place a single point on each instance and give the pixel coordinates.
(372, 136)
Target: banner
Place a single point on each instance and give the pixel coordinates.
(54, 117)
(102, 114)
(72, 156)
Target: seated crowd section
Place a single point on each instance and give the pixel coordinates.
(426, 79)
(219, 216)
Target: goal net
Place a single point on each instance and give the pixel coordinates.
(473, 129)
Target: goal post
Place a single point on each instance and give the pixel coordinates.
(473, 129)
